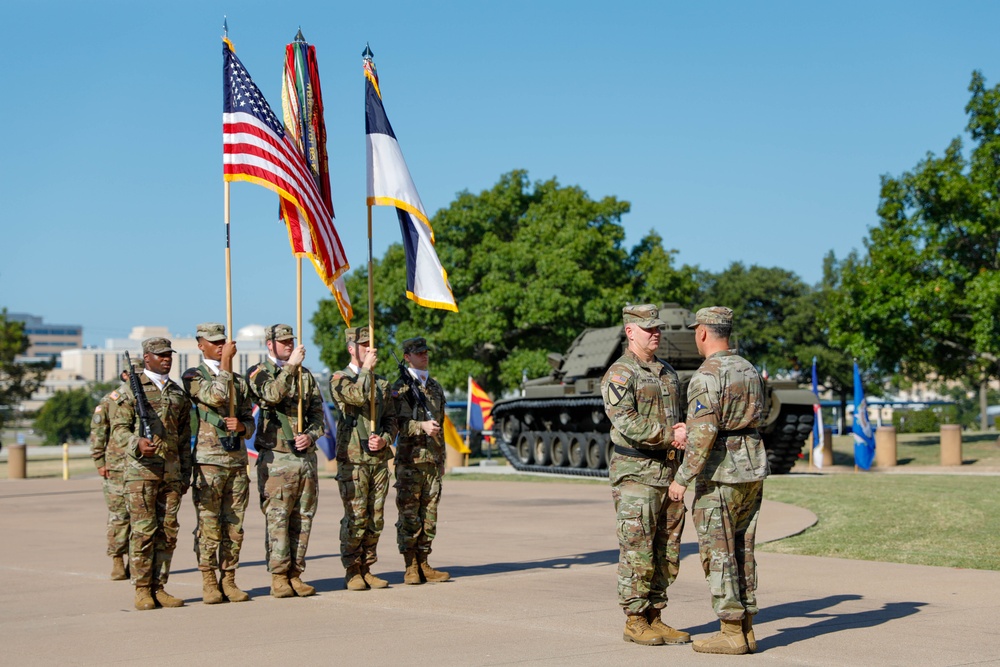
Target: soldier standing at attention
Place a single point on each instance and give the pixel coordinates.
(221, 483)
(110, 462)
(641, 398)
(287, 477)
(362, 458)
(727, 462)
(420, 457)
(157, 471)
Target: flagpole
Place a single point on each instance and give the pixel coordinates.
(229, 291)
(371, 314)
(298, 327)
(468, 414)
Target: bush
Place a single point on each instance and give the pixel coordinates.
(928, 420)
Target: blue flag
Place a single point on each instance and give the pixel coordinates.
(864, 436)
(328, 441)
(817, 423)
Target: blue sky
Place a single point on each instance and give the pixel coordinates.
(739, 131)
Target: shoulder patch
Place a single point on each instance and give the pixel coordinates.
(616, 392)
(254, 371)
(97, 410)
(619, 378)
(114, 396)
(190, 374)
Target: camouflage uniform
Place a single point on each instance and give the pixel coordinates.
(154, 484)
(108, 455)
(287, 478)
(642, 401)
(726, 459)
(221, 484)
(419, 462)
(363, 476)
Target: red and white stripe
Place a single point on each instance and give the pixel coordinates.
(253, 152)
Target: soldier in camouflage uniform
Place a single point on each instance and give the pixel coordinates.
(287, 477)
(641, 398)
(726, 460)
(110, 462)
(221, 484)
(157, 471)
(363, 454)
(420, 457)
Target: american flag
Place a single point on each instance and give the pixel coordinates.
(257, 149)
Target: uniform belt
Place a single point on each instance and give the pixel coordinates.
(737, 432)
(655, 454)
(284, 447)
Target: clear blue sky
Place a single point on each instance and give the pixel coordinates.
(739, 131)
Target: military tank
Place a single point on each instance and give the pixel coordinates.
(558, 424)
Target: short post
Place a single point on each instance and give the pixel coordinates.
(827, 447)
(65, 460)
(17, 461)
(951, 445)
(885, 447)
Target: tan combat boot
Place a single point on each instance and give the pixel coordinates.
(280, 587)
(669, 634)
(165, 599)
(118, 571)
(210, 593)
(353, 581)
(371, 579)
(143, 599)
(301, 588)
(230, 589)
(430, 574)
(729, 641)
(637, 630)
(412, 574)
(747, 626)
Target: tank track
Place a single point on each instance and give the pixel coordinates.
(507, 448)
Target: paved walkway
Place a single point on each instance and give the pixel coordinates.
(534, 583)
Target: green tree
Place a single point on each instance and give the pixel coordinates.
(776, 314)
(923, 300)
(531, 265)
(66, 416)
(18, 381)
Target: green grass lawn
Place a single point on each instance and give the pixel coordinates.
(946, 520)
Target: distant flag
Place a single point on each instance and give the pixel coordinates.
(864, 437)
(764, 374)
(390, 184)
(452, 438)
(257, 149)
(480, 408)
(327, 442)
(251, 448)
(302, 107)
(817, 456)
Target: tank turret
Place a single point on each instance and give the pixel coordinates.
(557, 424)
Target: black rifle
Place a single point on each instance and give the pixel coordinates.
(141, 404)
(414, 387)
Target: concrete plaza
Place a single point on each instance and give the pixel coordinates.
(533, 567)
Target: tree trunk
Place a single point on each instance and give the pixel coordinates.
(843, 413)
(984, 419)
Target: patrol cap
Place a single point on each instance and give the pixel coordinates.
(713, 315)
(646, 316)
(156, 346)
(414, 345)
(213, 332)
(357, 335)
(278, 332)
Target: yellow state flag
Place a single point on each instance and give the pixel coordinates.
(452, 438)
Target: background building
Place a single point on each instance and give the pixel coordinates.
(47, 341)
